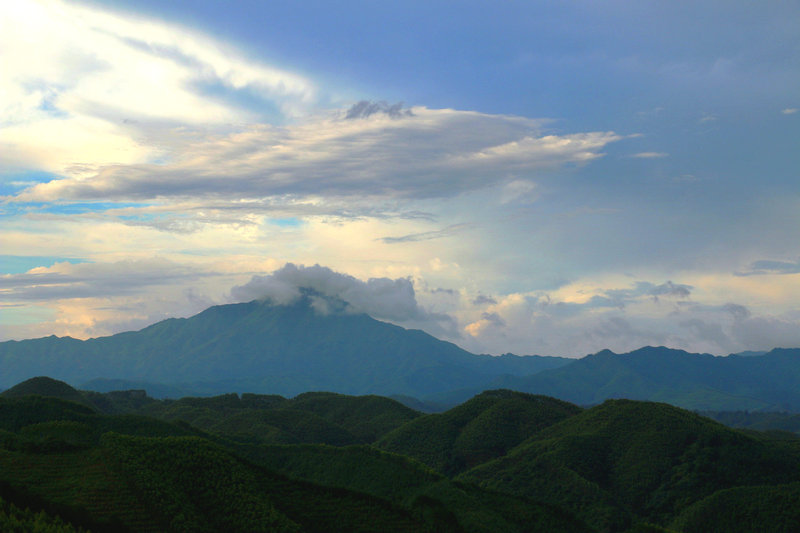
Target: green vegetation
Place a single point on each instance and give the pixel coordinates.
(481, 429)
(16, 520)
(744, 509)
(502, 461)
(627, 461)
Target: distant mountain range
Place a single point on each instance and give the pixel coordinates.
(263, 348)
(769, 382)
(290, 349)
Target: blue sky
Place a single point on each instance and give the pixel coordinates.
(534, 177)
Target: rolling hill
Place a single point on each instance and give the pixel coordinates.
(502, 461)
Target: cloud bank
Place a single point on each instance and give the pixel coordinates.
(430, 153)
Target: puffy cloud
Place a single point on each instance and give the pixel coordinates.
(381, 298)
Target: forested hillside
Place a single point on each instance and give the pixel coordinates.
(74, 460)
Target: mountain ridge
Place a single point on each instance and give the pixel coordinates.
(258, 347)
(290, 349)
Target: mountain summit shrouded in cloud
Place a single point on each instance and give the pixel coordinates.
(534, 178)
(381, 298)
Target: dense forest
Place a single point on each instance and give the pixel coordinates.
(75, 460)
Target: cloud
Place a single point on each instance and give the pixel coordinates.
(381, 298)
(650, 155)
(93, 280)
(426, 235)
(365, 108)
(790, 111)
(483, 300)
(766, 267)
(575, 319)
(621, 297)
(430, 154)
(737, 311)
(84, 88)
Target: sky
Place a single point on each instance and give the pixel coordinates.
(550, 178)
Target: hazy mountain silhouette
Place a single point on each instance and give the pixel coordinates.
(693, 381)
(259, 347)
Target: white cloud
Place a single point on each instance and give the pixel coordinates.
(381, 298)
(790, 111)
(82, 86)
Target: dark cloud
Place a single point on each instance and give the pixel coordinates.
(739, 312)
(671, 289)
(439, 290)
(365, 108)
(484, 300)
(494, 319)
(620, 297)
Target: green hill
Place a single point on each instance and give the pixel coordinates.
(481, 429)
(770, 508)
(624, 461)
(502, 461)
(45, 386)
(319, 417)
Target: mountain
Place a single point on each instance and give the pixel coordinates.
(693, 381)
(264, 348)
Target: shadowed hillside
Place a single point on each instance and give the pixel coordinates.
(483, 428)
(693, 381)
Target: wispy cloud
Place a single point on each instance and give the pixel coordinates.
(426, 235)
(650, 155)
(790, 111)
(84, 87)
(766, 267)
(93, 280)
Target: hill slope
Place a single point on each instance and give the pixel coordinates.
(626, 461)
(485, 427)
